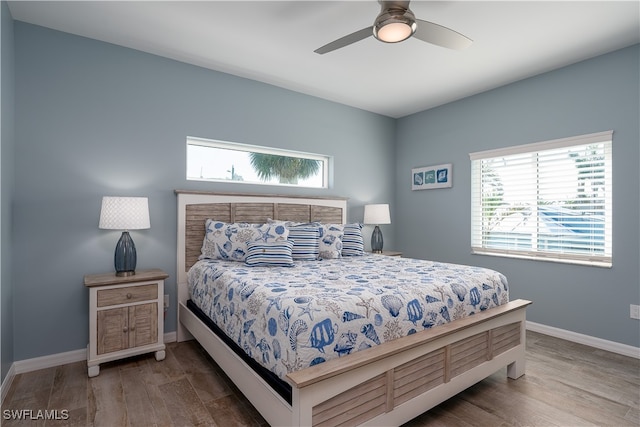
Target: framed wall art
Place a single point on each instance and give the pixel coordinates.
(431, 177)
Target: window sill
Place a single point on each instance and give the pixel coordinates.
(603, 262)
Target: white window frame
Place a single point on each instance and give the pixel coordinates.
(226, 145)
(479, 232)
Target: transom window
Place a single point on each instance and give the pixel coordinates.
(210, 160)
(548, 200)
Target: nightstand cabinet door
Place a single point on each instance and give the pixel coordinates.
(143, 324)
(113, 326)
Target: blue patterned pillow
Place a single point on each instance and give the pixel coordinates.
(352, 241)
(271, 254)
(229, 241)
(331, 240)
(305, 239)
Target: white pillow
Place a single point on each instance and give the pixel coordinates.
(229, 241)
(331, 240)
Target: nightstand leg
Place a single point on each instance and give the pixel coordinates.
(160, 355)
(94, 371)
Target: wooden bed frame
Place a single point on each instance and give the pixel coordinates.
(385, 385)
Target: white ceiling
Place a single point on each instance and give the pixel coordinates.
(273, 42)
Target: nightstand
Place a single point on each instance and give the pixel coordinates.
(389, 253)
(126, 316)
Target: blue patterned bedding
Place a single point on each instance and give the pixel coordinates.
(290, 318)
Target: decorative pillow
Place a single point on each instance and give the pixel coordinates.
(305, 239)
(352, 241)
(270, 254)
(331, 240)
(229, 241)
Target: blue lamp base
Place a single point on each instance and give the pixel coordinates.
(376, 241)
(125, 257)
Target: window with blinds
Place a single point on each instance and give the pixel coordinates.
(549, 200)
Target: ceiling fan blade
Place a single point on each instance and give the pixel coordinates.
(441, 36)
(346, 40)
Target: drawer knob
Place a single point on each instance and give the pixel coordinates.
(129, 296)
(124, 329)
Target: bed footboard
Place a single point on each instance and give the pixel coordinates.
(392, 383)
(388, 384)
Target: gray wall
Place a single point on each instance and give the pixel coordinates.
(7, 184)
(595, 95)
(94, 119)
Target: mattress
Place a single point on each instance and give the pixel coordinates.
(290, 318)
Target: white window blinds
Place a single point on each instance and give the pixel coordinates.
(549, 200)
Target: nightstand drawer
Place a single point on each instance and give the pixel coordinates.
(127, 295)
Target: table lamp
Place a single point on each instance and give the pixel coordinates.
(376, 215)
(125, 213)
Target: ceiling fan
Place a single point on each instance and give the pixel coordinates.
(396, 23)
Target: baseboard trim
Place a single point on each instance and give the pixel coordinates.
(170, 337)
(43, 362)
(612, 346)
(6, 384)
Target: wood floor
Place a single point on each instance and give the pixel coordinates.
(566, 384)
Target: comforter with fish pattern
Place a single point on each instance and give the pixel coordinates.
(290, 318)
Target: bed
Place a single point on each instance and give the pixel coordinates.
(385, 384)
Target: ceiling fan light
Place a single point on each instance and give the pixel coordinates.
(394, 32)
(393, 26)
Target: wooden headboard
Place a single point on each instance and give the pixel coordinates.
(194, 208)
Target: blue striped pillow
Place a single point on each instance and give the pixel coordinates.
(352, 241)
(269, 254)
(305, 239)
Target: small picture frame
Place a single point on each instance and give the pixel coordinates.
(431, 177)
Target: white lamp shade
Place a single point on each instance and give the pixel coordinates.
(377, 214)
(124, 213)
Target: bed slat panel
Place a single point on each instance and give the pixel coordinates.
(415, 377)
(293, 212)
(505, 338)
(423, 385)
(428, 373)
(416, 366)
(354, 406)
(326, 214)
(469, 353)
(359, 415)
(475, 345)
(253, 213)
(331, 404)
